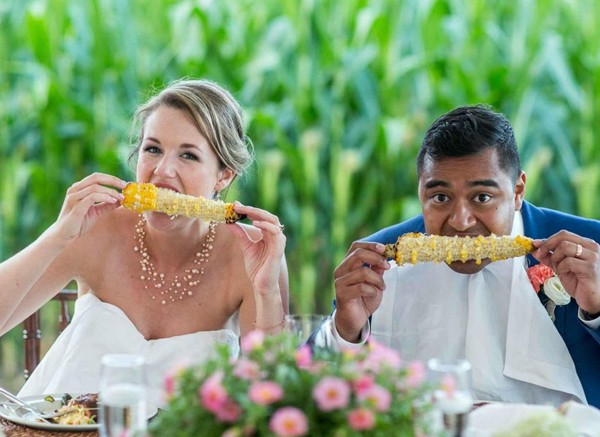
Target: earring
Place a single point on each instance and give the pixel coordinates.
(217, 195)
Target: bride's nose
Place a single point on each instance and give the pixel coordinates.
(166, 168)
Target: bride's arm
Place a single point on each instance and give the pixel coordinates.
(268, 310)
(31, 277)
(264, 260)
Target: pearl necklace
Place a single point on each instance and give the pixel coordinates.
(179, 287)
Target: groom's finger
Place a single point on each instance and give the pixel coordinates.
(545, 247)
(373, 247)
(357, 260)
(360, 276)
(576, 266)
(569, 249)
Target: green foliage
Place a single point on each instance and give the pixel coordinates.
(338, 95)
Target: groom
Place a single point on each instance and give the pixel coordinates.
(471, 183)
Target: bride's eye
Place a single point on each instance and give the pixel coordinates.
(190, 156)
(152, 149)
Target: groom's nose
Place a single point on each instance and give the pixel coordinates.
(462, 217)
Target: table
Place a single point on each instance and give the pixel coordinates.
(13, 430)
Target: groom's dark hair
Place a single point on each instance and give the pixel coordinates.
(469, 130)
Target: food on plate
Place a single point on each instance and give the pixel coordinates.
(141, 197)
(85, 410)
(415, 247)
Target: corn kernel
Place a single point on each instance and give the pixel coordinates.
(435, 248)
(141, 197)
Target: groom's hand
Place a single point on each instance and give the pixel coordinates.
(576, 262)
(359, 288)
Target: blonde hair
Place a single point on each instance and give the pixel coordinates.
(214, 111)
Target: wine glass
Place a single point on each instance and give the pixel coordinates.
(122, 396)
(302, 325)
(451, 382)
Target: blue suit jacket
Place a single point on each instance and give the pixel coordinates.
(583, 343)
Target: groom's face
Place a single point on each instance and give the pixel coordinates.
(469, 196)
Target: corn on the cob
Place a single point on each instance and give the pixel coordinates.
(141, 197)
(413, 248)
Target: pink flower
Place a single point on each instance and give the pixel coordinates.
(331, 393)
(289, 422)
(448, 385)
(253, 340)
(538, 275)
(213, 394)
(416, 374)
(246, 369)
(361, 419)
(229, 412)
(169, 386)
(303, 357)
(381, 356)
(170, 379)
(363, 384)
(265, 392)
(378, 397)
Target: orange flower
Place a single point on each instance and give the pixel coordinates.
(538, 275)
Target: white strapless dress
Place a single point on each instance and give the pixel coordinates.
(72, 365)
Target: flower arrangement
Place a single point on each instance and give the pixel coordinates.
(543, 279)
(275, 389)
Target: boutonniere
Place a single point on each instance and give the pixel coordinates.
(543, 279)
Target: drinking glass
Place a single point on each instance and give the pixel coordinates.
(122, 396)
(451, 382)
(302, 325)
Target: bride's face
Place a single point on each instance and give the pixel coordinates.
(175, 155)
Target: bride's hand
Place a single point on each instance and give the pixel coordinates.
(86, 201)
(263, 257)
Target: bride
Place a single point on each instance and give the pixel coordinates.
(192, 141)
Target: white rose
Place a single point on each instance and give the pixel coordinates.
(556, 292)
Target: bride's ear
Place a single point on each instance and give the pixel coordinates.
(225, 178)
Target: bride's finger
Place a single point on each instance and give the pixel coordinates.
(79, 195)
(240, 233)
(104, 207)
(256, 213)
(97, 178)
(269, 230)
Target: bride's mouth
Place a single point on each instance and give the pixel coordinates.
(167, 186)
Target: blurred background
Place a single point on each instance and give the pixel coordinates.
(337, 95)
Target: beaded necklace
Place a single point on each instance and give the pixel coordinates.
(182, 285)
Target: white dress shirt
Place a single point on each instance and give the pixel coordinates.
(493, 318)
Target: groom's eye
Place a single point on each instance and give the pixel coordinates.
(440, 198)
(482, 198)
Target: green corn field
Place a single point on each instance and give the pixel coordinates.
(337, 97)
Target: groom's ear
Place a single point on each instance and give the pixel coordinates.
(520, 190)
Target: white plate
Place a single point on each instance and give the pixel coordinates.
(22, 417)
